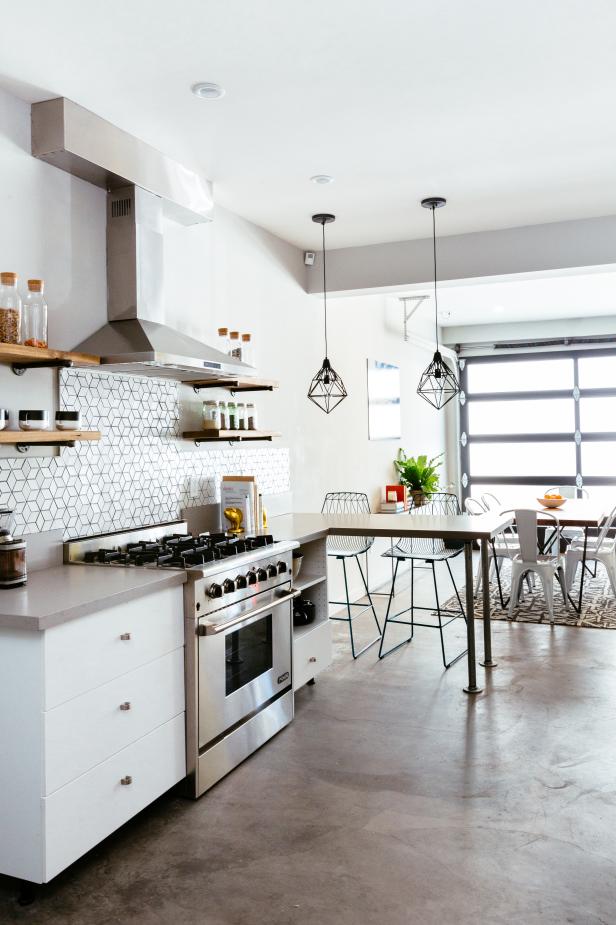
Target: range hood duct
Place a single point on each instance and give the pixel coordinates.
(143, 188)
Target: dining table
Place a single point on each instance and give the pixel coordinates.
(584, 514)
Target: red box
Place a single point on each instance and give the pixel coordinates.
(400, 491)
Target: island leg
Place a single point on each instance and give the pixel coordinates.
(472, 687)
(488, 661)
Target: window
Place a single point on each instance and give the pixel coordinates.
(532, 422)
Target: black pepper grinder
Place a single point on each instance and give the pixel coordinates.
(12, 554)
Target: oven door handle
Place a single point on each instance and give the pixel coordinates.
(212, 630)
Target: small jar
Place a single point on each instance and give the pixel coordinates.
(33, 420)
(211, 415)
(68, 420)
(235, 345)
(4, 418)
(34, 321)
(232, 416)
(223, 415)
(10, 309)
(223, 340)
(247, 355)
(241, 415)
(251, 417)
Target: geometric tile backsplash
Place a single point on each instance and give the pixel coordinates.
(137, 474)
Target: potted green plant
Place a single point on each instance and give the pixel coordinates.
(419, 474)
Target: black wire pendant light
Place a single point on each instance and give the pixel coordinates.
(327, 388)
(438, 384)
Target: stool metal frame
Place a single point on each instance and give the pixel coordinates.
(429, 551)
(351, 547)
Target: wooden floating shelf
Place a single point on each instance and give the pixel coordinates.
(236, 385)
(46, 437)
(212, 435)
(21, 357)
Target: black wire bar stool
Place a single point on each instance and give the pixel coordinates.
(350, 547)
(429, 551)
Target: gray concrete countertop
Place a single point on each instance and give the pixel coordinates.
(56, 595)
(460, 527)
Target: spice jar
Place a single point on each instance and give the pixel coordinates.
(223, 340)
(211, 415)
(232, 416)
(10, 309)
(34, 321)
(241, 415)
(235, 345)
(251, 417)
(223, 415)
(247, 356)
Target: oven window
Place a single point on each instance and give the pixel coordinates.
(248, 653)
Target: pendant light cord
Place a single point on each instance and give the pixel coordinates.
(434, 256)
(324, 286)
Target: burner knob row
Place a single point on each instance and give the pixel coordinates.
(230, 585)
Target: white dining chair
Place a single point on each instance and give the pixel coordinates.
(600, 548)
(546, 566)
(499, 549)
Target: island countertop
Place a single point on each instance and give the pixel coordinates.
(458, 527)
(64, 592)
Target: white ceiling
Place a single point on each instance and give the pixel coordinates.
(504, 108)
(536, 298)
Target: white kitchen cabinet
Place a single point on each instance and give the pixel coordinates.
(65, 744)
(312, 644)
(312, 652)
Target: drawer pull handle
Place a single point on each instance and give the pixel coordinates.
(125, 705)
(125, 637)
(312, 658)
(125, 781)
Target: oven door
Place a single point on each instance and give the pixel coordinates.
(244, 664)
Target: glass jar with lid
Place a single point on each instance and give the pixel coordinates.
(241, 415)
(10, 309)
(223, 340)
(223, 415)
(34, 321)
(247, 355)
(232, 416)
(235, 345)
(211, 415)
(251, 417)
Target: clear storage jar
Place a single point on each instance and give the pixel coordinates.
(241, 415)
(34, 320)
(10, 309)
(232, 416)
(211, 415)
(251, 417)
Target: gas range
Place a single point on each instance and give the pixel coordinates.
(237, 615)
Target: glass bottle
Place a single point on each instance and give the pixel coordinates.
(251, 417)
(247, 356)
(211, 415)
(223, 340)
(241, 415)
(223, 415)
(10, 309)
(231, 416)
(235, 345)
(34, 321)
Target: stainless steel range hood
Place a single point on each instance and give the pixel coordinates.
(144, 187)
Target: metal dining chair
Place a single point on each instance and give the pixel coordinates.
(546, 565)
(429, 551)
(499, 549)
(344, 548)
(601, 548)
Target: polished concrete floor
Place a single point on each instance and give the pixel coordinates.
(393, 799)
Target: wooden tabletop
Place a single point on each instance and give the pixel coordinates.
(575, 512)
(461, 527)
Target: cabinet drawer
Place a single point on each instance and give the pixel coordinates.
(91, 650)
(90, 728)
(312, 652)
(87, 810)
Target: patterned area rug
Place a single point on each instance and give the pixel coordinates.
(598, 604)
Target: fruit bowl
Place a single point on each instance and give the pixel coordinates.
(551, 502)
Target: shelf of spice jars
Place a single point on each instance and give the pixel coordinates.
(212, 435)
(22, 357)
(236, 384)
(46, 437)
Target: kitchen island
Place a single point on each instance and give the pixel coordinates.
(459, 528)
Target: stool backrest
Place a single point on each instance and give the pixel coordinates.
(347, 502)
(441, 503)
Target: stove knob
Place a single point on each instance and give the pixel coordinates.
(272, 571)
(251, 577)
(240, 582)
(228, 585)
(261, 574)
(282, 568)
(214, 590)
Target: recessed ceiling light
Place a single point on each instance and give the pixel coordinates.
(322, 179)
(208, 91)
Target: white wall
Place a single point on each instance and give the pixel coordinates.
(229, 272)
